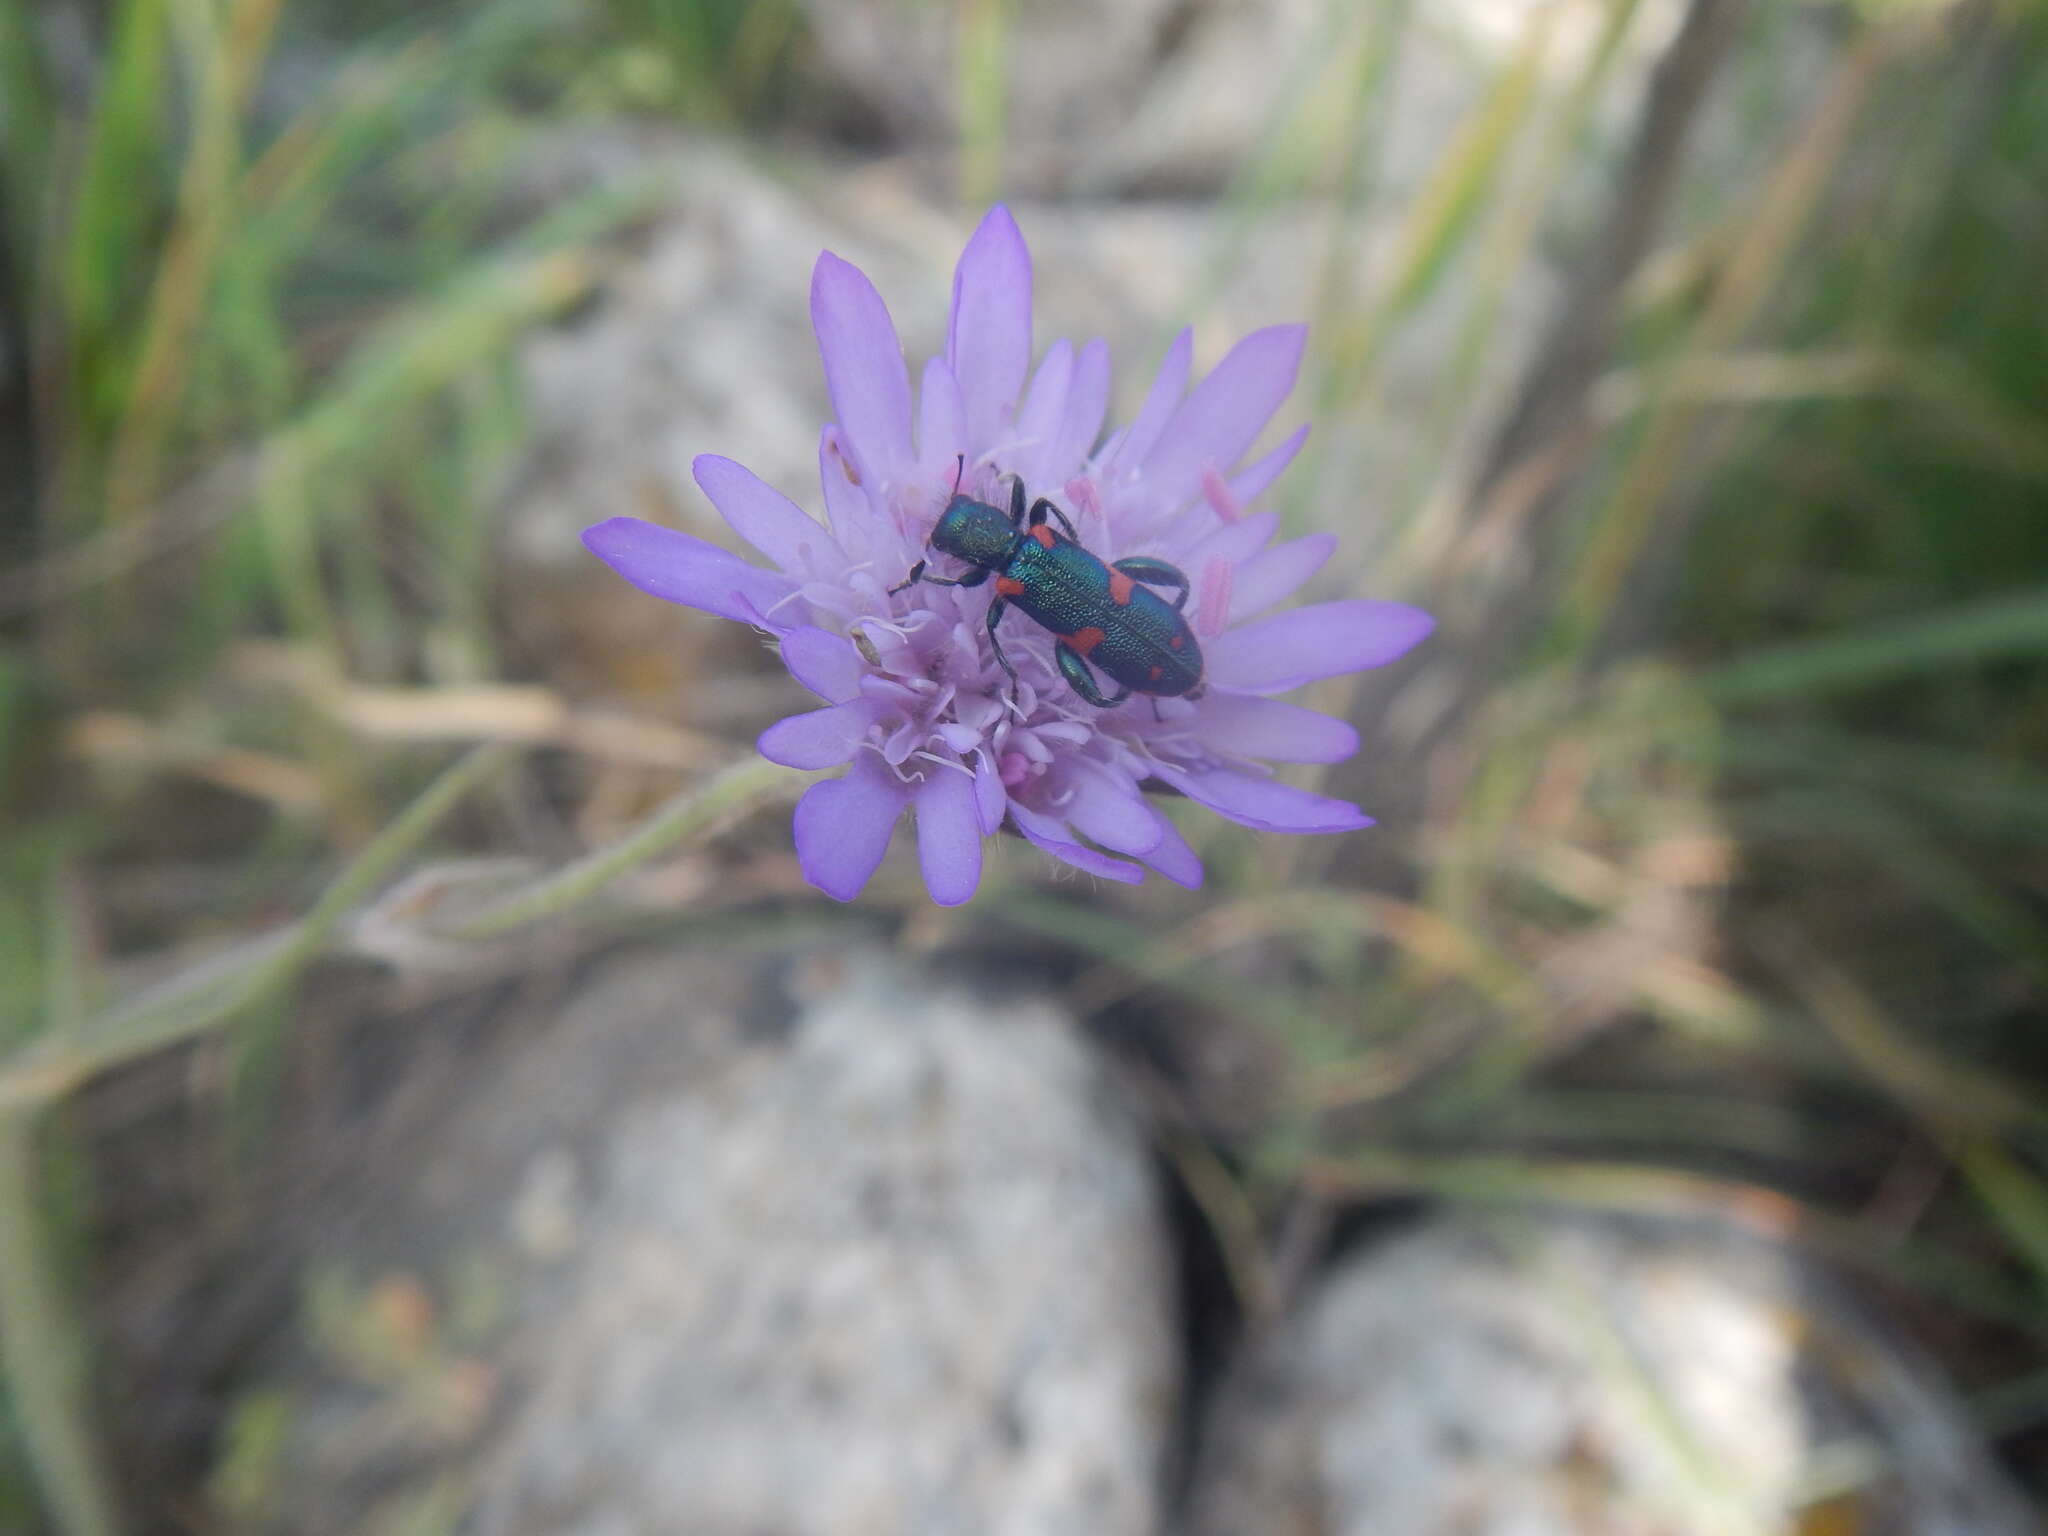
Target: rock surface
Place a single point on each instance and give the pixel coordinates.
(895, 1265)
(1183, 96)
(822, 1246)
(1551, 1376)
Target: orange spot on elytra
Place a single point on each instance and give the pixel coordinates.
(1156, 673)
(1009, 586)
(1178, 641)
(1044, 535)
(1119, 588)
(1085, 640)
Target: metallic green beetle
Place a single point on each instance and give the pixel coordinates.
(1101, 613)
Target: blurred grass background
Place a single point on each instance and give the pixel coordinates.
(1713, 874)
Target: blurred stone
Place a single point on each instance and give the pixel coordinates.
(881, 1257)
(699, 342)
(1183, 96)
(1582, 1377)
(1070, 66)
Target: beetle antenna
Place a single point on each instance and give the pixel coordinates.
(959, 469)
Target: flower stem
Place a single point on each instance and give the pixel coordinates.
(694, 814)
(205, 996)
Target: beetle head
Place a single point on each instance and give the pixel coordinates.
(975, 532)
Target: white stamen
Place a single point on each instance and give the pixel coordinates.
(947, 762)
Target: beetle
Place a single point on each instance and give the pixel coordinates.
(1101, 613)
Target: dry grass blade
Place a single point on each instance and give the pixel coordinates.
(230, 56)
(1944, 1092)
(1964, 1111)
(1767, 242)
(475, 712)
(1437, 947)
(129, 744)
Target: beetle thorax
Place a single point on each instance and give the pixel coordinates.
(975, 532)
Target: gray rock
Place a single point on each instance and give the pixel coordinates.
(1183, 95)
(1069, 66)
(897, 1266)
(1545, 1376)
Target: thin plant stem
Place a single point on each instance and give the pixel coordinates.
(693, 815)
(202, 999)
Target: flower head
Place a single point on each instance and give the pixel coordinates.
(917, 703)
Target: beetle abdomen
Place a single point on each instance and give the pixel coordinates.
(1121, 627)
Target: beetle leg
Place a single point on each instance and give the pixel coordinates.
(973, 579)
(1041, 507)
(1017, 502)
(996, 610)
(1157, 573)
(1076, 672)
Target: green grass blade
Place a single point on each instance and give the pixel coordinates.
(115, 202)
(42, 1346)
(1440, 225)
(1963, 635)
(2012, 1194)
(27, 140)
(984, 98)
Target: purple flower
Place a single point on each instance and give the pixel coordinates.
(915, 703)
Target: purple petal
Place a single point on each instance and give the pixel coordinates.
(1045, 406)
(1321, 640)
(991, 799)
(1174, 859)
(846, 507)
(941, 420)
(864, 369)
(1111, 813)
(1252, 482)
(823, 738)
(1048, 834)
(1266, 804)
(1276, 574)
(1245, 725)
(1087, 404)
(1226, 412)
(1232, 543)
(827, 664)
(988, 338)
(1168, 386)
(843, 827)
(766, 518)
(681, 569)
(948, 836)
